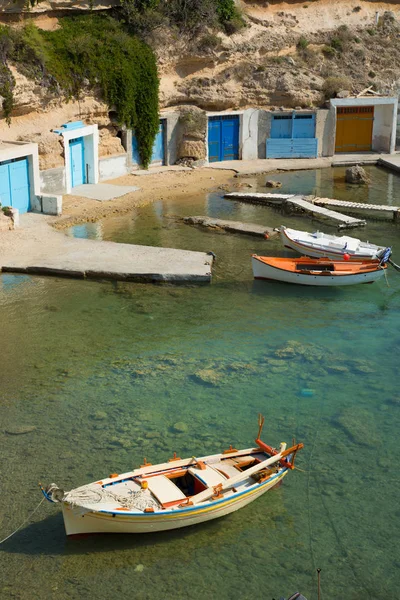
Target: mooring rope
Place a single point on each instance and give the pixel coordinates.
(18, 528)
(397, 267)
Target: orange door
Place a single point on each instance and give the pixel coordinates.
(354, 128)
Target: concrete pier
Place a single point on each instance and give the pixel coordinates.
(233, 226)
(299, 202)
(36, 248)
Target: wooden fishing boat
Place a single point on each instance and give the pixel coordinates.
(319, 244)
(174, 494)
(317, 271)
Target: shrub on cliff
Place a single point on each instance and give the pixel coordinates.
(189, 16)
(95, 52)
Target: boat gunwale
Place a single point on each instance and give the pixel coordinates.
(335, 274)
(353, 255)
(185, 511)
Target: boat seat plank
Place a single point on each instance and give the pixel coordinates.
(226, 468)
(209, 476)
(164, 489)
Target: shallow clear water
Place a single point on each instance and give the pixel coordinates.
(103, 372)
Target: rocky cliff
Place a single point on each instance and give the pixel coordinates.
(292, 54)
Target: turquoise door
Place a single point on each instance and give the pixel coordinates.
(223, 138)
(292, 136)
(158, 146)
(5, 189)
(157, 153)
(78, 176)
(14, 184)
(19, 181)
(135, 151)
(214, 140)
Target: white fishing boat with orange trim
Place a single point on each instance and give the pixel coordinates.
(319, 244)
(319, 271)
(174, 494)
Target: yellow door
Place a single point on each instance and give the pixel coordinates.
(354, 128)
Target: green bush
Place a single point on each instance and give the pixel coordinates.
(337, 44)
(94, 51)
(328, 51)
(209, 41)
(302, 43)
(333, 85)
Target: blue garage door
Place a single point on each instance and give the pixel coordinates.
(292, 136)
(14, 184)
(223, 138)
(78, 175)
(158, 151)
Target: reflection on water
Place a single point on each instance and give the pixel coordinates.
(93, 377)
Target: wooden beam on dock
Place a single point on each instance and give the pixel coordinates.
(233, 226)
(344, 220)
(355, 206)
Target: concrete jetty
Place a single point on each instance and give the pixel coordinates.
(36, 248)
(298, 202)
(258, 198)
(233, 226)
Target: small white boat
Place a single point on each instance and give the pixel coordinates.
(321, 244)
(174, 494)
(318, 271)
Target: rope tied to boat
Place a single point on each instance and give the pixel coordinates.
(26, 520)
(135, 499)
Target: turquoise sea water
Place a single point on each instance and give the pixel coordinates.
(103, 372)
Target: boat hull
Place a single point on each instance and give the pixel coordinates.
(304, 248)
(262, 270)
(102, 522)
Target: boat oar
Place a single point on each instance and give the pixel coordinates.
(245, 474)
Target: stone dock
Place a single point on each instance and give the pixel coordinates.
(232, 226)
(295, 202)
(36, 248)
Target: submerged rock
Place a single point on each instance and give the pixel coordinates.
(20, 430)
(273, 184)
(209, 376)
(295, 349)
(100, 415)
(359, 425)
(180, 427)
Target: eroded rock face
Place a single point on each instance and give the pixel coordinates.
(193, 131)
(44, 6)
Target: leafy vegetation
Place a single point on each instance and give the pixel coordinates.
(191, 17)
(334, 85)
(89, 52)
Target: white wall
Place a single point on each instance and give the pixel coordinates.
(113, 166)
(90, 136)
(383, 132)
(248, 134)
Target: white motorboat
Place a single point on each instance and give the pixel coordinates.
(319, 244)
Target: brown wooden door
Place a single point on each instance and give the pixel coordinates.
(354, 128)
